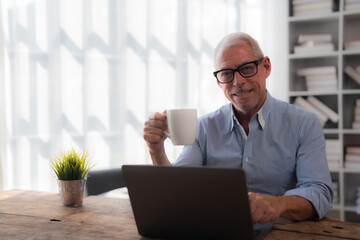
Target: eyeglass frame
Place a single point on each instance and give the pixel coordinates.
(257, 62)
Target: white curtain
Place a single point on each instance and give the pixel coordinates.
(87, 73)
(3, 134)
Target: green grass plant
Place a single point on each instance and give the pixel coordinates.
(71, 165)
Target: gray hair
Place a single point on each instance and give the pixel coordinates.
(235, 39)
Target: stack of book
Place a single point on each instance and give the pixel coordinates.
(314, 105)
(352, 5)
(314, 43)
(356, 122)
(353, 73)
(352, 156)
(350, 45)
(311, 7)
(319, 78)
(333, 152)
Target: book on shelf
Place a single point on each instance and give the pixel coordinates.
(354, 158)
(352, 5)
(306, 7)
(321, 78)
(303, 72)
(356, 125)
(353, 149)
(323, 47)
(326, 87)
(312, 6)
(331, 114)
(353, 74)
(304, 38)
(357, 69)
(357, 110)
(352, 45)
(302, 103)
(352, 165)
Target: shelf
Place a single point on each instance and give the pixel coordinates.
(351, 131)
(342, 26)
(350, 91)
(351, 52)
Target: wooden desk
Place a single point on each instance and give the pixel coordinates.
(39, 215)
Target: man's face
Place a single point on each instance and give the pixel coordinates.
(246, 94)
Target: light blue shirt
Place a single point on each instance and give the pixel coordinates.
(283, 154)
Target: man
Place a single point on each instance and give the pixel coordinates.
(280, 147)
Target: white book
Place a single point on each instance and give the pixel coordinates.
(313, 6)
(332, 158)
(351, 165)
(311, 84)
(352, 45)
(320, 78)
(352, 6)
(322, 11)
(333, 166)
(352, 157)
(352, 1)
(333, 116)
(303, 38)
(302, 103)
(357, 110)
(322, 88)
(352, 73)
(356, 125)
(325, 47)
(316, 71)
(353, 149)
(335, 143)
(358, 69)
(299, 2)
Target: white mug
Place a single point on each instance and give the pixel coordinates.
(182, 125)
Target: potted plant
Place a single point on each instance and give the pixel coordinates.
(71, 169)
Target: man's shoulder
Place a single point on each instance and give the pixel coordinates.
(292, 112)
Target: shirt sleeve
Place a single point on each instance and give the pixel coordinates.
(312, 172)
(190, 156)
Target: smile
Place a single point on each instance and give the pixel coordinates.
(242, 93)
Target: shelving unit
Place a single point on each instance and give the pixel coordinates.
(343, 26)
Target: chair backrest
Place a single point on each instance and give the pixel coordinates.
(101, 181)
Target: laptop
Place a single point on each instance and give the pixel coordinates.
(189, 202)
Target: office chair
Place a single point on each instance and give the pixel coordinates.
(102, 181)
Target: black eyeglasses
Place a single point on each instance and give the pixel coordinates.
(246, 70)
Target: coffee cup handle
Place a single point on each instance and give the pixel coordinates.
(166, 133)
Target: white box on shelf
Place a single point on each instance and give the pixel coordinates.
(303, 72)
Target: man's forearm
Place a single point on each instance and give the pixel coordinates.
(296, 208)
(159, 158)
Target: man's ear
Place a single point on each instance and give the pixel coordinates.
(267, 66)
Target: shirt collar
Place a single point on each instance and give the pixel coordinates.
(262, 114)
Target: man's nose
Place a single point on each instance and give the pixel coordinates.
(238, 79)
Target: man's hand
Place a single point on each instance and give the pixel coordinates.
(154, 135)
(263, 208)
(268, 208)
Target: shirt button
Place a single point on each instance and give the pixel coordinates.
(246, 159)
(244, 135)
